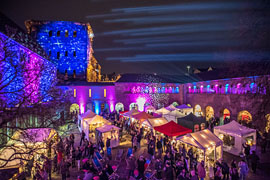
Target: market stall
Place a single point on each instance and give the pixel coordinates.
(88, 114)
(162, 111)
(27, 144)
(206, 145)
(234, 135)
(192, 122)
(172, 129)
(150, 109)
(108, 131)
(89, 125)
(173, 115)
(142, 116)
(153, 122)
(184, 109)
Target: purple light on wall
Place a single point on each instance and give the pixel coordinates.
(189, 89)
(201, 88)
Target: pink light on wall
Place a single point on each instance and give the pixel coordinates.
(201, 88)
(216, 88)
(82, 108)
(189, 89)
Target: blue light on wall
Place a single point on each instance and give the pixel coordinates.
(67, 45)
(97, 108)
(226, 88)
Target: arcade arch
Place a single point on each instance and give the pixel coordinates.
(133, 106)
(74, 108)
(244, 117)
(209, 112)
(119, 107)
(198, 110)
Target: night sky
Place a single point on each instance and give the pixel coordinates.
(161, 36)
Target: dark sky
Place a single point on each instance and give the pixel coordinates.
(161, 36)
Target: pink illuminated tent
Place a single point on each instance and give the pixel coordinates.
(142, 116)
(172, 129)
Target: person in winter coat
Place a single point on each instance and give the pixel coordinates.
(193, 175)
(151, 151)
(254, 158)
(108, 143)
(243, 169)
(201, 170)
(234, 173)
(78, 157)
(218, 173)
(131, 165)
(168, 170)
(159, 147)
(225, 170)
(140, 162)
(158, 168)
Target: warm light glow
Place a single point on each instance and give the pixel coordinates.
(90, 93)
(105, 93)
(74, 92)
(140, 101)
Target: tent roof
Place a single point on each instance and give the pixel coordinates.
(88, 114)
(202, 139)
(153, 122)
(171, 107)
(142, 116)
(172, 129)
(192, 118)
(131, 112)
(162, 111)
(107, 128)
(175, 113)
(97, 119)
(235, 128)
(183, 106)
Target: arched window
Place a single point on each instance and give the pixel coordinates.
(177, 90)
(244, 117)
(74, 33)
(66, 33)
(50, 33)
(58, 33)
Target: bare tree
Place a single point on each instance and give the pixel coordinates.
(29, 98)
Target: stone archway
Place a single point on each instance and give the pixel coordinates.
(119, 107)
(244, 117)
(74, 108)
(198, 110)
(209, 112)
(133, 106)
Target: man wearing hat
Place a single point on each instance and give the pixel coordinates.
(130, 165)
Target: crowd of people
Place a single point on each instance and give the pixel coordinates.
(162, 159)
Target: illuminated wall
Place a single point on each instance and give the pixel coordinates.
(25, 74)
(67, 43)
(93, 97)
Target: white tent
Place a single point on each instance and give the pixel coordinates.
(184, 109)
(109, 131)
(208, 145)
(173, 115)
(234, 135)
(26, 144)
(87, 115)
(162, 111)
(153, 122)
(90, 124)
(150, 109)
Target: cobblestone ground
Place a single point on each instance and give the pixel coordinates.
(263, 173)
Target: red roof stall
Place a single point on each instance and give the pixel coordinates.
(172, 129)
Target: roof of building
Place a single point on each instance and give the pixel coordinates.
(12, 30)
(84, 83)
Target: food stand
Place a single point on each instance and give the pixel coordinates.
(234, 135)
(88, 114)
(89, 125)
(153, 122)
(173, 115)
(205, 144)
(108, 131)
(162, 111)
